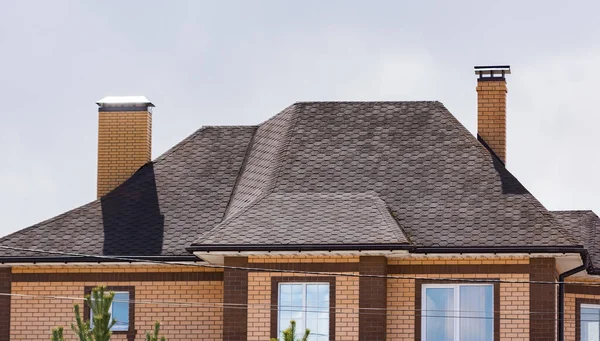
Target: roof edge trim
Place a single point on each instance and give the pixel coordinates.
(99, 259)
(299, 247)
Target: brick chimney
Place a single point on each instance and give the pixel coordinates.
(124, 139)
(491, 108)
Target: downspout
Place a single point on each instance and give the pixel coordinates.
(561, 293)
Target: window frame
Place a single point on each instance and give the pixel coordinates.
(130, 332)
(585, 303)
(276, 280)
(304, 298)
(420, 294)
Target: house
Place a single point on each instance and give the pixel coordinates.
(360, 220)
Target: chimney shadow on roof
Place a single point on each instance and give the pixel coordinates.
(510, 184)
(133, 224)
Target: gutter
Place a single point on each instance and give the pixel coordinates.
(299, 247)
(509, 249)
(561, 293)
(382, 247)
(101, 259)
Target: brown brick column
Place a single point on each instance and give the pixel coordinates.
(373, 299)
(542, 300)
(235, 298)
(5, 287)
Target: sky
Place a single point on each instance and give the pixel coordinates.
(240, 62)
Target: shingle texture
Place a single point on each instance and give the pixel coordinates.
(442, 185)
(159, 211)
(584, 226)
(317, 173)
(309, 218)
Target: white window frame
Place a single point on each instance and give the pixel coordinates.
(304, 318)
(585, 306)
(114, 328)
(456, 308)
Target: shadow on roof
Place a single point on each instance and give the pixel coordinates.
(127, 232)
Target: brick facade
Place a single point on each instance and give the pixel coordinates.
(189, 300)
(235, 314)
(124, 145)
(5, 288)
(491, 114)
(260, 299)
(373, 299)
(403, 322)
(542, 303)
(194, 312)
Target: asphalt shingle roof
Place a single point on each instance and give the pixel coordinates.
(584, 226)
(442, 185)
(317, 173)
(159, 211)
(309, 218)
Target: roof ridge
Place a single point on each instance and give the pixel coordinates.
(282, 156)
(240, 173)
(386, 217)
(365, 102)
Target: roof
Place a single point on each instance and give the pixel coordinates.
(584, 226)
(159, 211)
(318, 174)
(309, 219)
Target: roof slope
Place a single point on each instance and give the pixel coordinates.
(317, 173)
(443, 186)
(309, 219)
(159, 211)
(584, 226)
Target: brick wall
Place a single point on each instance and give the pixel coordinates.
(491, 115)
(543, 302)
(373, 299)
(513, 305)
(191, 310)
(5, 287)
(259, 297)
(235, 315)
(124, 145)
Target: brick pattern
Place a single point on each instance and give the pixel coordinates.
(513, 306)
(543, 299)
(572, 316)
(124, 145)
(459, 261)
(372, 299)
(491, 115)
(303, 259)
(235, 314)
(32, 318)
(5, 288)
(104, 268)
(259, 309)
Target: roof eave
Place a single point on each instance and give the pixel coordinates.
(99, 259)
(298, 247)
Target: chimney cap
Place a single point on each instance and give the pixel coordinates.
(124, 101)
(492, 72)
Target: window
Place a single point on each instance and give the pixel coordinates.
(308, 305)
(590, 322)
(119, 311)
(457, 312)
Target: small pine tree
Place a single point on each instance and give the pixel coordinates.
(289, 334)
(155, 336)
(99, 302)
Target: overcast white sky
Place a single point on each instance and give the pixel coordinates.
(240, 62)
